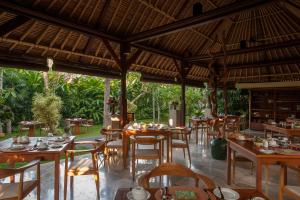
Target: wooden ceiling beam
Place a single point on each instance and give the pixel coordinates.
(134, 57)
(19, 9)
(205, 18)
(112, 52)
(12, 25)
(40, 64)
(51, 19)
(146, 77)
(287, 61)
(291, 43)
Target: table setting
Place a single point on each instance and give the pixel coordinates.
(188, 193)
(25, 143)
(280, 145)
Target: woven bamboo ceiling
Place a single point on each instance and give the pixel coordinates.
(257, 40)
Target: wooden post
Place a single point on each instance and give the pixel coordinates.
(212, 84)
(123, 99)
(183, 111)
(225, 90)
(183, 72)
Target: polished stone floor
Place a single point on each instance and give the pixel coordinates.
(113, 176)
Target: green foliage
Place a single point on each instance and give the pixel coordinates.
(46, 109)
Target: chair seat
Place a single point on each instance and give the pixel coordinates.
(293, 189)
(114, 144)
(212, 133)
(86, 125)
(10, 190)
(80, 167)
(147, 153)
(178, 143)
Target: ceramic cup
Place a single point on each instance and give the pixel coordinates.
(139, 193)
(42, 145)
(272, 143)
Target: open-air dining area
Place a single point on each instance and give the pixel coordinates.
(150, 99)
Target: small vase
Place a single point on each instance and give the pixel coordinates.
(219, 148)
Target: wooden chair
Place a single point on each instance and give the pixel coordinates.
(291, 190)
(178, 170)
(23, 127)
(87, 124)
(83, 166)
(19, 190)
(145, 154)
(113, 141)
(216, 128)
(180, 140)
(231, 124)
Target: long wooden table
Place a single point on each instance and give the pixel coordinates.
(250, 151)
(288, 132)
(245, 194)
(24, 156)
(127, 133)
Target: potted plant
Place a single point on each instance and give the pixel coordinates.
(131, 108)
(46, 109)
(218, 144)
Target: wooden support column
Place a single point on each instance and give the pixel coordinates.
(212, 85)
(225, 90)
(183, 77)
(225, 75)
(123, 98)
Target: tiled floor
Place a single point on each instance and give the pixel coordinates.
(114, 176)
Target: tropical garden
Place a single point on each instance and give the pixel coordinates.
(23, 94)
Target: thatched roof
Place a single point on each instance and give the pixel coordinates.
(84, 36)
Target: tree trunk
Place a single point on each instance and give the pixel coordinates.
(8, 126)
(153, 105)
(1, 88)
(106, 113)
(158, 113)
(46, 80)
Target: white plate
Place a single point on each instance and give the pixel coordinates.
(56, 146)
(130, 197)
(267, 151)
(17, 147)
(228, 193)
(258, 198)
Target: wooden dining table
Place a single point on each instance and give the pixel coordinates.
(29, 154)
(31, 125)
(248, 150)
(287, 132)
(128, 132)
(77, 123)
(245, 193)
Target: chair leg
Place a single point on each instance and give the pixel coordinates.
(189, 154)
(65, 186)
(38, 191)
(133, 168)
(183, 152)
(97, 181)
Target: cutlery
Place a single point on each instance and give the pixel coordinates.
(221, 193)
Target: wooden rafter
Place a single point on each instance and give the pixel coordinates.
(66, 24)
(291, 43)
(112, 52)
(286, 61)
(134, 57)
(205, 18)
(12, 25)
(40, 64)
